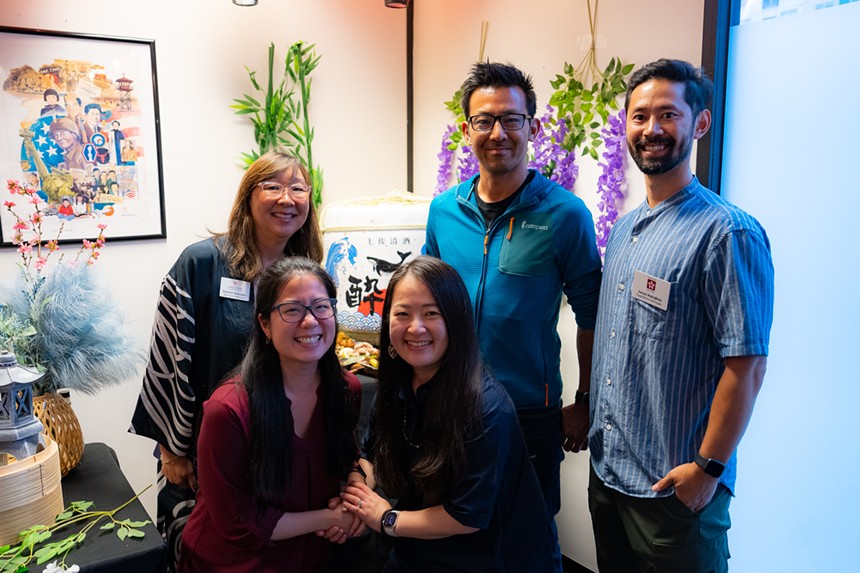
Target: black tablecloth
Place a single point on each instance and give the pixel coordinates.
(98, 478)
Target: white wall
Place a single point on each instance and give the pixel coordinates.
(201, 48)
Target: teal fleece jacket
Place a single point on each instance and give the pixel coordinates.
(515, 271)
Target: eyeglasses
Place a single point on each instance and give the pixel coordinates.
(509, 121)
(294, 311)
(273, 190)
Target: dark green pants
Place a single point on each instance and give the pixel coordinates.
(658, 534)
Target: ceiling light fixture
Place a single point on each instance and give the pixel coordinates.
(396, 3)
(245, 2)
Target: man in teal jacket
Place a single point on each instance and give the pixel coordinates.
(519, 240)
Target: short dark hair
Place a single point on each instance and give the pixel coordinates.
(90, 106)
(496, 75)
(698, 87)
(49, 92)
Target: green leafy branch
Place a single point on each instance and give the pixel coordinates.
(270, 118)
(301, 61)
(280, 120)
(15, 558)
(585, 95)
(455, 106)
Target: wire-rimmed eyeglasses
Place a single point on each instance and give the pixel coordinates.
(509, 121)
(293, 311)
(275, 190)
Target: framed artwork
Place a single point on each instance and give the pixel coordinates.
(79, 123)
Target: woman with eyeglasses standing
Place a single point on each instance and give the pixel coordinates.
(445, 441)
(277, 439)
(204, 316)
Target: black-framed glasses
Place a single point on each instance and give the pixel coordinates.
(509, 121)
(295, 190)
(293, 311)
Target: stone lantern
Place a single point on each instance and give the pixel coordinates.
(20, 429)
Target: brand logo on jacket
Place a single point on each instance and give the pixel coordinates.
(527, 225)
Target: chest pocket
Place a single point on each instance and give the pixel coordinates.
(527, 246)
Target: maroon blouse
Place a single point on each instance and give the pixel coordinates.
(228, 531)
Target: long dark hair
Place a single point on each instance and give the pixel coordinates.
(453, 403)
(271, 418)
(241, 249)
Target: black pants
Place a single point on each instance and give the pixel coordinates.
(658, 534)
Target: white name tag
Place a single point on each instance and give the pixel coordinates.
(651, 290)
(235, 289)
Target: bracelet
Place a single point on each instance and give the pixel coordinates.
(359, 470)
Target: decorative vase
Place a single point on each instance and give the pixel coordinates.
(61, 424)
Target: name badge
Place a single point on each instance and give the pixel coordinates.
(651, 290)
(235, 289)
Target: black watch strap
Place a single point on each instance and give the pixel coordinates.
(713, 468)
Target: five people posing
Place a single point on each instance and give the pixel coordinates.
(469, 379)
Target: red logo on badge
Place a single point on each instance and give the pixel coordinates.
(651, 285)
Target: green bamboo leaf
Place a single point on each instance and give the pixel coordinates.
(136, 533)
(253, 77)
(64, 515)
(627, 69)
(593, 153)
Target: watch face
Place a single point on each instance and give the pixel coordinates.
(389, 519)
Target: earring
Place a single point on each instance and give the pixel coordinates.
(391, 351)
(268, 340)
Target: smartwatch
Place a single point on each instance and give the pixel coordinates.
(713, 468)
(389, 522)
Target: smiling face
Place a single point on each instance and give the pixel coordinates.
(300, 343)
(661, 127)
(416, 327)
(500, 152)
(276, 219)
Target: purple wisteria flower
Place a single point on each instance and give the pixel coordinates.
(611, 180)
(550, 158)
(467, 164)
(446, 161)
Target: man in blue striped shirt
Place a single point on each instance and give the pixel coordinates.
(680, 348)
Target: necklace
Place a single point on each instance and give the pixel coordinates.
(405, 436)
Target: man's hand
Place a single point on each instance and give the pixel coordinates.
(693, 487)
(574, 427)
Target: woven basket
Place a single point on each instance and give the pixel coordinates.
(30, 492)
(62, 425)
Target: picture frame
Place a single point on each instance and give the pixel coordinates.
(79, 123)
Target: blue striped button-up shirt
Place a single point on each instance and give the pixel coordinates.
(655, 371)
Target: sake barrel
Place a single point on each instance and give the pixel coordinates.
(365, 241)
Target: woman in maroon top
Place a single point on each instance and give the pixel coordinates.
(277, 438)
